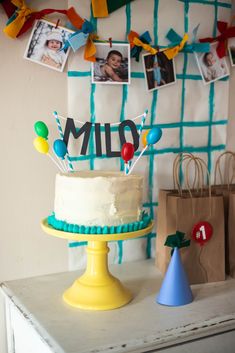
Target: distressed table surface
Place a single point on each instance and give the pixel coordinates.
(140, 326)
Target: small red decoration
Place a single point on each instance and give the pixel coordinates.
(127, 151)
(226, 32)
(202, 232)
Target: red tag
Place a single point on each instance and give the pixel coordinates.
(202, 232)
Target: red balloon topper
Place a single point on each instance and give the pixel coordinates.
(202, 232)
(127, 151)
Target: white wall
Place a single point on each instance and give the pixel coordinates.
(28, 92)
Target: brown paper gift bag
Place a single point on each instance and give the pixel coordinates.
(231, 234)
(182, 211)
(226, 188)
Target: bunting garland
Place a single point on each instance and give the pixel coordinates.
(8, 7)
(180, 43)
(226, 32)
(139, 42)
(21, 18)
(102, 8)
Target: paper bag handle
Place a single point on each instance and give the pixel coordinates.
(200, 166)
(177, 162)
(199, 173)
(218, 168)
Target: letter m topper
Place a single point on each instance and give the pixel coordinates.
(71, 128)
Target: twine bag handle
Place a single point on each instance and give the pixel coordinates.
(198, 166)
(198, 176)
(177, 162)
(203, 166)
(218, 168)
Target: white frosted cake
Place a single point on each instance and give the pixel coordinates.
(98, 201)
(98, 198)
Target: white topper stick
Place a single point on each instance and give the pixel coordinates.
(61, 164)
(62, 136)
(142, 152)
(58, 166)
(65, 165)
(143, 122)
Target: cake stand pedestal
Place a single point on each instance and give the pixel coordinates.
(96, 289)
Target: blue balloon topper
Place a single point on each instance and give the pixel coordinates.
(154, 135)
(60, 148)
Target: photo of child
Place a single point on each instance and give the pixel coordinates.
(231, 50)
(46, 43)
(159, 71)
(211, 67)
(112, 64)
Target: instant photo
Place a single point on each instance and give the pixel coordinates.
(112, 64)
(159, 71)
(45, 46)
(211, 67)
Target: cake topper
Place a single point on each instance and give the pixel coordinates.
(127, 154)
(41, 129)
(42, 146)
(60, 145)
(62, 137)
(152, 137)
(85, 130)
(60, 151)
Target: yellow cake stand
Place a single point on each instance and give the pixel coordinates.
(96, 289)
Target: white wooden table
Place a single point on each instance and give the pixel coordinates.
(38, 321)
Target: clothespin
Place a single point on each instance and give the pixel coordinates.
(157, 48)
(57, 23)
(110, 42)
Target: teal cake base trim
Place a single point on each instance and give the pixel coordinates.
(122, 228)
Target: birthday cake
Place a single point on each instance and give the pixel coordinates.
(98, 202)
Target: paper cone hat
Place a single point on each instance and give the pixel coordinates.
(175, 289)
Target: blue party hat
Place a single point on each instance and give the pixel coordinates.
(175, 289)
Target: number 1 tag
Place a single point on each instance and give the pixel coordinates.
(202, 232)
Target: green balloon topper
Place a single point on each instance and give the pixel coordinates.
(41, 129)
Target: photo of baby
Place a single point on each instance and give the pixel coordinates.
(112, 64)
(159, 71)
(211, 67)
(231, 50)
(46, 43)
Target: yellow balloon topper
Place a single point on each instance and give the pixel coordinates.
(41, 145)
(144, 138)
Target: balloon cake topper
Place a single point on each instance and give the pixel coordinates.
(64, 163)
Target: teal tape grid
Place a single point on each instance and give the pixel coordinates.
(122, 115)
(181, 132)
(140, 75)
(189, 149)
(75, 244)
(211, 95)
(84, 243)
(152, 120)
(172, 125)
(92, 120)
(92, 103)
(184, 76)
(208, 2)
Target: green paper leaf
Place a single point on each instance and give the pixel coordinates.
(177, 240)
